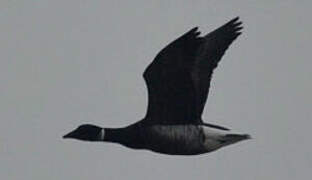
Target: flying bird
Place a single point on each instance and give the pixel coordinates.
(178, 82)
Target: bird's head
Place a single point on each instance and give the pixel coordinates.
(87, 132)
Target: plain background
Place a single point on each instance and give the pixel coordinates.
(64, 63)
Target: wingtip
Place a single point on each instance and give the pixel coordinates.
(195, 28)
(235, 25)
(193, 31)
(235, 21)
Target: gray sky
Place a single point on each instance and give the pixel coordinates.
(64, 63)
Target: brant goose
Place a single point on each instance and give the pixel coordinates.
(178, 82)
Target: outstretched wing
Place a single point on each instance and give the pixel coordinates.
(209, 54)
(178, 79)
(171, 91)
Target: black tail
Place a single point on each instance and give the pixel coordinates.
(238, 136)
(233, 138)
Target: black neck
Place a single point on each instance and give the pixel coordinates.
(128, 136)
(115, 135)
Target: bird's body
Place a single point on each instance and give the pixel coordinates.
(183, 139)
(178, 82)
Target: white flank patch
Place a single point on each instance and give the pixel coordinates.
(213, 133)
(212, 137)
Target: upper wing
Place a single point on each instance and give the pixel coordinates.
(209, 54)
(179, 78)
(171, 91)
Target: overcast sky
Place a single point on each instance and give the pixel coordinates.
(64, 63)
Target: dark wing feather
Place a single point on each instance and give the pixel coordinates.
(209, 54)
(171, 92)
(178, 79)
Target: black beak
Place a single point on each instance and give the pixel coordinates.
(69, 135)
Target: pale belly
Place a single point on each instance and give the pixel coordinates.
(180, 139)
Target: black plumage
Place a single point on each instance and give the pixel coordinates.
(178, 82)
(178, 79)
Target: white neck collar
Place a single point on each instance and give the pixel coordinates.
(102, 134)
